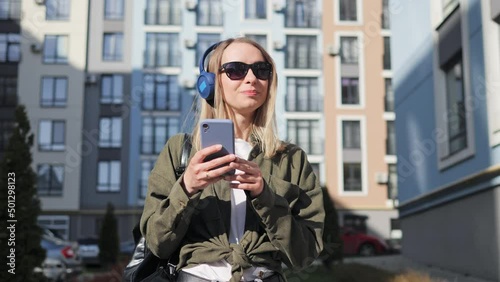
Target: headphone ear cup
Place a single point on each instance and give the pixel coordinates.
(206, 85)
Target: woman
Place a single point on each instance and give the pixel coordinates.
(244, 226)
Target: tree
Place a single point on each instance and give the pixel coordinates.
(20, 206)
(108, 241)
(333, 245)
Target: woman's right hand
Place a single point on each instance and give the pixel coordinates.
(200, 174)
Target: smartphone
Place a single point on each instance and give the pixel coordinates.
(218, 131)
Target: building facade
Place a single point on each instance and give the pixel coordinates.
(51, 78)
(446, 70)
(10, 55)
(360, 152)
(114, 79)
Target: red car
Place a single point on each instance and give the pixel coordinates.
(358, 243)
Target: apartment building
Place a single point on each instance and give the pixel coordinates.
(10, 55)
(112, 80)
(447, 62)
(51, 79)
(360, 153)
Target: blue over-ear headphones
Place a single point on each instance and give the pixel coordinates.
(206, 80)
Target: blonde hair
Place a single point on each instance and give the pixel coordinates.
(264, 130)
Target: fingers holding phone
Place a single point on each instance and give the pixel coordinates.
(200, 173)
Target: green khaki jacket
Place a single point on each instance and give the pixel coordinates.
(283, 224)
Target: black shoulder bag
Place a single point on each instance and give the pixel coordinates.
(144, 265)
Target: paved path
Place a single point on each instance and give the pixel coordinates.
(399, 263)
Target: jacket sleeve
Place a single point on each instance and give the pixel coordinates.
(167, 208)
(291, 210)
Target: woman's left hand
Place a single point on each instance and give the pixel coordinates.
(251, 180)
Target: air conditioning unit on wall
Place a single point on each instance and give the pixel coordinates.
(91, 78)
(333, 50)
(190, 44)
(36, 48)
(191, 5)
(278, 45)
(382, 177)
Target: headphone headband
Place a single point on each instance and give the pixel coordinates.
(206, 80)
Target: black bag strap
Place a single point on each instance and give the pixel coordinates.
(186, 150)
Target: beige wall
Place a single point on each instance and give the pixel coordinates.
(371, 112)
(98, 27)
(31, 70)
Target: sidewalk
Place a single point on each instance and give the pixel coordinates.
(399, 263)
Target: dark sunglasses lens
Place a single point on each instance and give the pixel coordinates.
(262, 70)
(236, 70)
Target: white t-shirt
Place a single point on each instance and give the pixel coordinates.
(221, 270)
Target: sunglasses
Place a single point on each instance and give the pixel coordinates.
(238, 70)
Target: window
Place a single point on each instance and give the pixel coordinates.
(113, 47)
(110, 132)
(57, 9)
(348, 10)
(209, 12)
(300, 13)
(6, 128)
(112, 89)
(108, 177)
(163, 12)
(455, 106)
(155, 133)
(10, 9)
(392, 184)
(349, 50)
(350, 91)
(113, 9)
(386, 15)
(55, 49)
(146, 167)
(387, 53)
(389, 96)
(304, 133)
(259, 38)
(8, 91)
(255, 9)
(391, 139)
(204, 41)
(50, 179)
(54, 91)
(162, 50)
(301, 52)
(10, 50)
(161, 92)
(351, 134)
(303, 95)
(51, 135)
(352, 177)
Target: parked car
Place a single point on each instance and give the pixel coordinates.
(89, 250)
(358, 243)
(127, 247)
(61, 259)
